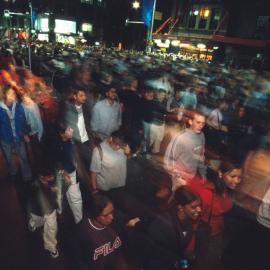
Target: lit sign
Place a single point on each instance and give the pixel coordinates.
(44, 24)
(87, 27)
(65, 27)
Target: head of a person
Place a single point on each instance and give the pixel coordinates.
(196, 122)
(148, 94)
(230, 174)
(9, 95)
(159, 186)
(188, 204)
(134, 84)
(117, 140)
(241, 112)
(177, 93)
(101, 210)
(222, 105)
(161, 95)
(110, 92)
(78, 96)
(26, 99)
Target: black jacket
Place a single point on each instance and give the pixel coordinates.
(168, 239)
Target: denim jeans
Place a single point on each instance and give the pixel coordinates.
(20, 150)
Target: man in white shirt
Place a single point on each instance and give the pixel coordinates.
(77, 117)
(106, 114)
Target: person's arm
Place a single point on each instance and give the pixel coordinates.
(94, 169)
(201, 166)
(93, 181)
(119, 120)
(95, 118)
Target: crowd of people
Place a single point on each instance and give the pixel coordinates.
(81, 116)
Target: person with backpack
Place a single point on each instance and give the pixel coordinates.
(108, 167)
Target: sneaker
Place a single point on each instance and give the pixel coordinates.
(54, 254)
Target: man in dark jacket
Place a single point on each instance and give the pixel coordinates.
(77, 118)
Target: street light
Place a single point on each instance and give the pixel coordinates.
(136, 5)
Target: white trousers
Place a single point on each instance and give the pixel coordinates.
(156, 137)
(49, 231)
(74, 197)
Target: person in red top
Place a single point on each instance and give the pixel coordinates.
(215, 194)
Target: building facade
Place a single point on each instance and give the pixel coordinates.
(234, 31)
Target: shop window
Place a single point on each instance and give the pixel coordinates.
(192, 18)
(89, 2)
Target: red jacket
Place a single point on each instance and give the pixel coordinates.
(218, 204)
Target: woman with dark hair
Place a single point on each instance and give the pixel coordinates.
(100, 245)
(176, 234)
(216, 202)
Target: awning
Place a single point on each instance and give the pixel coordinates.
(240, 41)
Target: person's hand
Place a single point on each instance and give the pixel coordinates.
(94, 191)
(133, 222)
(127, 150)
(69, 133)
(26, 138)
(67, 178)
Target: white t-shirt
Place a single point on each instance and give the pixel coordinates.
(215, 118)
(81, 124)
(110, 167)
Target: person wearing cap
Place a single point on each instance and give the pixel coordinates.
(106, 114)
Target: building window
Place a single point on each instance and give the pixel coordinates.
(204, 15)
(192, 18)
(89, 2)
(262, 23)
(215, 18)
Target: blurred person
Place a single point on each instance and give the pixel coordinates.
(145, 113)
(14, 133)
(42, 209)
(215, 119)
(215, 133)
(175, 100)
(34, 121)
(184, 157)
(106, 114)
(177, 234)
(157, 127)
(131, 101)
(67, 170)
(215, 194)
(189, 98)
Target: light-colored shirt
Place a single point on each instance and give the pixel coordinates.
(106, 118)
(32, 114)
(215, 118)
(110, 167)
(81, 124)
(185, 155)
